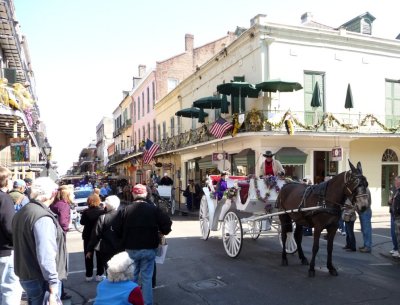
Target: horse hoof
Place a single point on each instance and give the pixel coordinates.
(284, 262)
(333, 272)
(311, 273)
(304, 262)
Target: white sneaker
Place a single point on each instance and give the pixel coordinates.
(392, 251)
(396, 254)
(99, 278)
(89, 278)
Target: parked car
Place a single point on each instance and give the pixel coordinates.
(81, 196)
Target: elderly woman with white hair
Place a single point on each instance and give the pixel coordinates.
(119, 288)
(104, 239)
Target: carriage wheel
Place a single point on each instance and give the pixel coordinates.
(291, 246)
(173, 205)
(255, 229)
(232, 234)
(204, 218)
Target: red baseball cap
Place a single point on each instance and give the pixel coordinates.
(139, 189)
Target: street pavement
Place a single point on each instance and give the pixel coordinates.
(186, 230)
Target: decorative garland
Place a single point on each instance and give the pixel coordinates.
(328, 118)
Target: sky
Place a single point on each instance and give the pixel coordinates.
(84, 53)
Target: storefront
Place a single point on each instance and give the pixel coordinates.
(293, 161)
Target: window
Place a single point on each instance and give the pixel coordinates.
(172, 83)
(155, 131)
(239, 103)
(172, 126)
(153, 89)
(310, 78)
(125, 114)
(138, 108)
(130, 110)
(148, 99)
(179, 122)
(134, 111)
(164, 131)
(392, 103)
(142, 103)
(148, 131)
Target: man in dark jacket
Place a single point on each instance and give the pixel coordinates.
(141, 226)
(10, 289)
(396, 211)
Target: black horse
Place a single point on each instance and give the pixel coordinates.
(329, 197)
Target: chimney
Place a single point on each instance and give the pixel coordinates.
(136, 81)
(307, 17)
(189, 38)
(142, 70)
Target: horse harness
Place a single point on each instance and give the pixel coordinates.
(351, 182)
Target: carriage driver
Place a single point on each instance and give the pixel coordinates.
(271, 167)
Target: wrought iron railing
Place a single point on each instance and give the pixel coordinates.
(302, 122)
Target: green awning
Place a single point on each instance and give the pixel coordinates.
(206, 163)
(243, 157)
(291, 156)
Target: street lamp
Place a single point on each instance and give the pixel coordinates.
(47, 151)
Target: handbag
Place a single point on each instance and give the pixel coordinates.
(46, 300)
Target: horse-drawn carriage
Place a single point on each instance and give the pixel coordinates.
(166, 197)
(246, 208)
(250, 204)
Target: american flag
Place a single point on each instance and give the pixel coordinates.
(151, 149)
(219, 128)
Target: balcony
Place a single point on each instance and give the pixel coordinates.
(302, 122)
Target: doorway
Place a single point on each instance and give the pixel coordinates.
(321, 166)
(390, 170)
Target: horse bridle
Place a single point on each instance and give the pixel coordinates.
(350, 184)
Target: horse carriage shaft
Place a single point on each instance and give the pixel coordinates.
(270, 215)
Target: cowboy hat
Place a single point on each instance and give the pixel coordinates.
(268, 153)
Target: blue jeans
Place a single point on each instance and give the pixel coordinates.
(10, 289)
(35, 290)
(393, 233)
(350, 238)
(366, 229)
(144, 267)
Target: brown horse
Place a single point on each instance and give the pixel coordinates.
(328, 198)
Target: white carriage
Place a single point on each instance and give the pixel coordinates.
(167, 192)
(249, 211)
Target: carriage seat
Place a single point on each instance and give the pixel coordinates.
(244, 190)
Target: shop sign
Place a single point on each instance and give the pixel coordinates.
(19, 150)
(337, 154)
(167, 165)
(219, 156)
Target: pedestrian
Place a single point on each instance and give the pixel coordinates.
(349, 217)
(61, 206)
(140, 226)
(395, 251)
(396, 212)
(104, 191)
(166, 180)
(88, 220)
(366, 227)
(271, 166)
(119, 288)
(28, 182)
(193, 194)
(18, 194)
(104, 234)
(39, 241)
(10, 288)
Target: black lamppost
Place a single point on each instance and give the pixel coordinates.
(47, 151)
